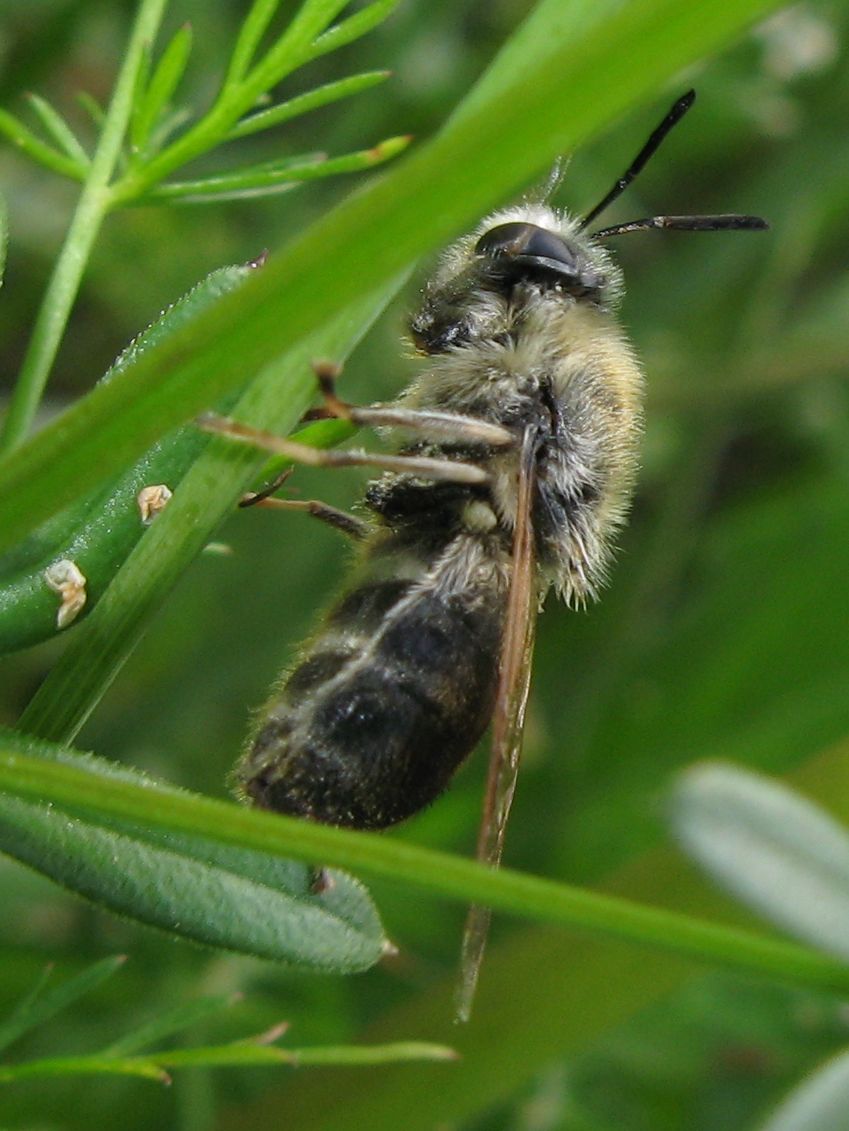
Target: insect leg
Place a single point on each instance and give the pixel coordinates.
(436, 425)
(340, 520)
(452, 471)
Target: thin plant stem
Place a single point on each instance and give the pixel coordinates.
(94, 202)
(531, 897)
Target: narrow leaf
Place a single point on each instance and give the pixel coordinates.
(25, 140)
(276, 397)
(163, 82)
(92, 107)
(293, 48)
(272, 177)
(302, 103)
(142, 77)
(167, 1023)
(346, 31)
(40, 1007)
(236, 1054)
(250, 33)
(58, 129)
(374, 1054)
(310, 20)
(770, 847)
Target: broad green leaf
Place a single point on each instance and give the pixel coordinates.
(218, 895)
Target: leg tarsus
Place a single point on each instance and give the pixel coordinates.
(254, 498)
(345, 523)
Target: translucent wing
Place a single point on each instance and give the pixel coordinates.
(508, 719)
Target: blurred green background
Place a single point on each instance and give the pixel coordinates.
(724, 631)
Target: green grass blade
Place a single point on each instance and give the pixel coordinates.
(579, 85)
(206, 495)
(98, 531)
(111, 797)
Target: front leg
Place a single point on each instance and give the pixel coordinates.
(433, 425)
(452, 471)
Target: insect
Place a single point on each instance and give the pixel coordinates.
(518, 471)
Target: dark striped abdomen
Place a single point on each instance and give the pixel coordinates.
(393, 694)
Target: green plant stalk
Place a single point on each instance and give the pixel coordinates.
(147, 1069)
(271, 177)
(453, 877)
(94, 203)
(236, 97)
(153, 1067)
(250, 1052)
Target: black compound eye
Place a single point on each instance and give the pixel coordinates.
(522, 243)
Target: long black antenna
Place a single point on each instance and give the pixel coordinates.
(676, 113)
(728, 221)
